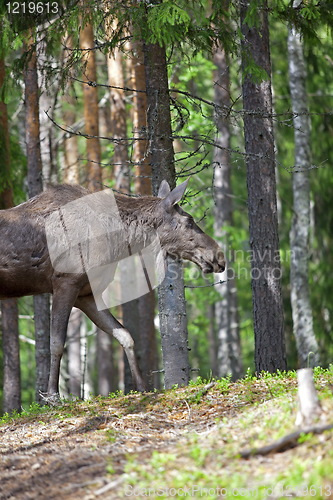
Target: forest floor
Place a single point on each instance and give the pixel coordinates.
(179, 443)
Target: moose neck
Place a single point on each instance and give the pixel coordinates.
(140, 216)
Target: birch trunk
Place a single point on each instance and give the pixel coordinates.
(268, 321)
(171, 293)
(48, 148)
(299, 235)
(35, 186)
(9, 308)
(229, 359)
(74, 352)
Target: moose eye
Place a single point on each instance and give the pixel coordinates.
(190, 222)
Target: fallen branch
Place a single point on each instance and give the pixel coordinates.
(208, 387)
(285, 443)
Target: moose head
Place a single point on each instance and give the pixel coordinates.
(182, 237)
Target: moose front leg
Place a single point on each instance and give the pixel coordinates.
(106, 322)
(62, 304)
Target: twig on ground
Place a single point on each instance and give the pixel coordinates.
(189, 411)
(110, 486)
(208, 387)
(285, 443)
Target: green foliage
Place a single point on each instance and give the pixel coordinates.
(167, 20)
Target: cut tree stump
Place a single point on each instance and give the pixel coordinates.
(308, 410)
(308, 403)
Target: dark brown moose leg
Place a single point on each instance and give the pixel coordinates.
(63, 300)
(106, 322)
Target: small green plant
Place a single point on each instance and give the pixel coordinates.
(224, 383)
(111, 435)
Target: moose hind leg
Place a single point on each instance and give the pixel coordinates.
(106, 322)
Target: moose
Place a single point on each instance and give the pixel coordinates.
(27, 269)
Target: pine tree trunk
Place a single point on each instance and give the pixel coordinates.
(35, 186)
(142, 184)
(130, 311)
(299, 234)
(118, 121)
(9, 309)
(229, 357)
(71, 169)
(264, 239)
(94, 174)
(90, 102)
(171, 294)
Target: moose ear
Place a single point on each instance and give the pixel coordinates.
(175, 196)
(164, 189)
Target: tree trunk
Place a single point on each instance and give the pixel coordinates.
(130, 311)
(118, 121)
(71, 170)
(229, 357)
(94, 174)
(9, 309)
(35, 186)
(90, 100)
(142, 185)
(74, 352)
(264, 239)
(71, 176)
(46, 127)
(171, 294)
(11, 356)
(299, 234)
(212, 340)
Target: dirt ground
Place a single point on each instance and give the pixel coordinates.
(62, 456)
(81, 449)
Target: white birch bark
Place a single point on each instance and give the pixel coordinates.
(299, 234)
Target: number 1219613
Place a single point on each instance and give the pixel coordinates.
(32, 7)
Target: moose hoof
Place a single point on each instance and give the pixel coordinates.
(50, 399)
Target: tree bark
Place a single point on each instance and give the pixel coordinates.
(94, 174)
(229, 357)
(71, 170)
(130, 311)
(118, 121)
(74, 352)
(212, 340)
(9, 308)
(171, 294)
(90, 100)
(46, 127)
(142, 185)
(299, 235)
(264, 239)
(35, 186)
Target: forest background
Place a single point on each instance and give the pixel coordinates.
(194, 118)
